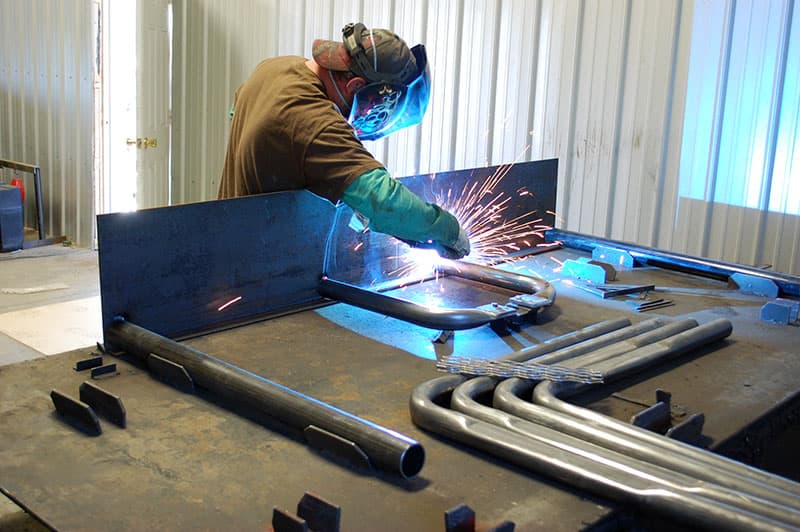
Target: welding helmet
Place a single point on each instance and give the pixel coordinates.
(398, 80)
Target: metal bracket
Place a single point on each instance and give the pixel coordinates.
(780, 311)
(77, 413)
(321, 515)
(750, 284)
(170, 373)
(313, 513)
(589, 270)
(657, 417)
(103, 402)
(342, 448)
(461, 518)
(283, 521)
(109, 370)
(89, 363)
(619, 258)
(689, 431)
(496, 311)
(613, 290)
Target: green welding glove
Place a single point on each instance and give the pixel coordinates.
(393, 209)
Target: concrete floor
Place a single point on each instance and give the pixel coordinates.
(49, 303)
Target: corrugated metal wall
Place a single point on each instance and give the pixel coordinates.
(602, 85)
(47, 66)
(616, 89)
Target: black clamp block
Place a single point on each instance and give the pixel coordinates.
(103, 371)
(461, 518)
(313, 513)
(689, 431)
(321, 515)
(105, 403)
(77, 413)
(283, 521)
(89, 363)
(171, 373)
(656, 418)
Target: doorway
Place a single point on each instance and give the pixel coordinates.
(134, 101)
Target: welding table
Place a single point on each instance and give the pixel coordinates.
(192, 462)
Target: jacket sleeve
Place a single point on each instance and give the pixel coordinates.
(395, 210)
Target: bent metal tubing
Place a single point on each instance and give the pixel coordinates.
(575, 468)
(597, 428)
(384, 448)
(629, 470)
(440, 318)
(500, 278)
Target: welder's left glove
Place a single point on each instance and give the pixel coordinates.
(393, 209)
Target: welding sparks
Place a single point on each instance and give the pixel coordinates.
(229, 303)
(483, 213)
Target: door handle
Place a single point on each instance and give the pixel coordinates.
(142, 142)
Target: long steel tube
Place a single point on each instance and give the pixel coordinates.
(787, 284)
(631, 470)
(613, 351)
(624, 331)
(385, 448)
(570, 467)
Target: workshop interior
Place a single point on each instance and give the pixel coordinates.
(618, 351)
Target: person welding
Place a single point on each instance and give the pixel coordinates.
(298, 124)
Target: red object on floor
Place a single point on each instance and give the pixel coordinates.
(17, 182)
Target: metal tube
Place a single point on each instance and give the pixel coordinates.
(631, 470)
(614, 351)
(500, 278)
(547, 395)
(433, 318)
(623, 332)
(787, 284)
(636, 442)
(385, 448)
(570, 467)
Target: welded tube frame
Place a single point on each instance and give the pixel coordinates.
(787, 284)
(386, 449)
(442, 318)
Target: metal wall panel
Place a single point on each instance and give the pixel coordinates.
(47, 68)
(604, 85)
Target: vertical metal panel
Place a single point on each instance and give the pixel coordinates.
(602, 85)
(47, 68)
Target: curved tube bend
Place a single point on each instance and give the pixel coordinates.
(442, 318)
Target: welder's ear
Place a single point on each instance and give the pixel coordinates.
(355, 84)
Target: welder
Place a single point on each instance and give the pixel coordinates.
(299, 124)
